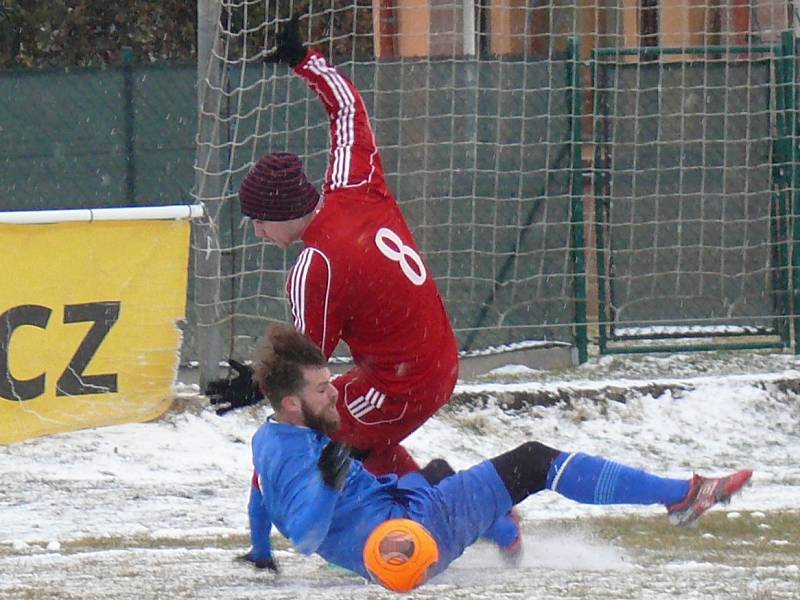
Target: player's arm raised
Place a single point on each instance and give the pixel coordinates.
(354, 155)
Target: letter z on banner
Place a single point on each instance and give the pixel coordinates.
(88, 323)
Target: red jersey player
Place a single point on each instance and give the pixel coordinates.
(360, 277)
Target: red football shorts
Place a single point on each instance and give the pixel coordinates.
(376, 423)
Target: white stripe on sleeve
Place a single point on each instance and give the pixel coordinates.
(297, 292)
(344, 134)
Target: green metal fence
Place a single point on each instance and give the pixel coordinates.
(89, 138)
(693, 169)
(697, 214)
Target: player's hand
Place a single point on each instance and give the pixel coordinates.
(227, 394)
(259, 563)
(289, 47)
(334, 465)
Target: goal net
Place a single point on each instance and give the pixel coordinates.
(508, 139)
(476, 152)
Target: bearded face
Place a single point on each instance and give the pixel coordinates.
(326, 420)
(318, 401)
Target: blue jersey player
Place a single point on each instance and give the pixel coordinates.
(325, 502)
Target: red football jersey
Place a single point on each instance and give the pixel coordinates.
(361, 278)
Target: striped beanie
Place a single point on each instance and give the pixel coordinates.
(276, 189)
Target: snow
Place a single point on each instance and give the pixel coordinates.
(186, 475)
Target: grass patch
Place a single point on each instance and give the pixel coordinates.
(766, 539)
(770, 538)
(142, 542)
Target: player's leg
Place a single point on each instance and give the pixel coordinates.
(374, 423)
(460, 508)
(504, 532)
(387, 454)
(371, 424)
(533, 467)
(589, 479)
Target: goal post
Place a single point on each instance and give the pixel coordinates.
(210, 182)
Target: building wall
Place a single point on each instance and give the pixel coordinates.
(420, 28)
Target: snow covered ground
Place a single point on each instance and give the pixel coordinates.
(157, 510)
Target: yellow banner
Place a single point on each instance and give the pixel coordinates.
(88, 332)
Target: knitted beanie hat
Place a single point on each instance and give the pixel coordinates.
(276, 189)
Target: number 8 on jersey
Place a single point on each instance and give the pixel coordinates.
(401, 254)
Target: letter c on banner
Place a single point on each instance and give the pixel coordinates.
(27, 314)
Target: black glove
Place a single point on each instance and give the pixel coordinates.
(289, 47)
(228, 394)
(334, 465)
(259, 563)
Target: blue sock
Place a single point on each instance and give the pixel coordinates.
(595, 480)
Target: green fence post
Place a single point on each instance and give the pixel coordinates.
(782, 169)
(578, 250)
(599, 176)
(128, 125)
(789, 51)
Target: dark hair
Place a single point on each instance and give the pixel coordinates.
(279, 359)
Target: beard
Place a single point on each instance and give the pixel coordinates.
(321, 422)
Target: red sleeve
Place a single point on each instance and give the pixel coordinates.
(316, 310)
(354, 155)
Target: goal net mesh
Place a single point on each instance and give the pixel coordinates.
(675, 182)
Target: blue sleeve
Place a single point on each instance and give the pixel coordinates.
(310, 510)
(297, 500)
(260, 525)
